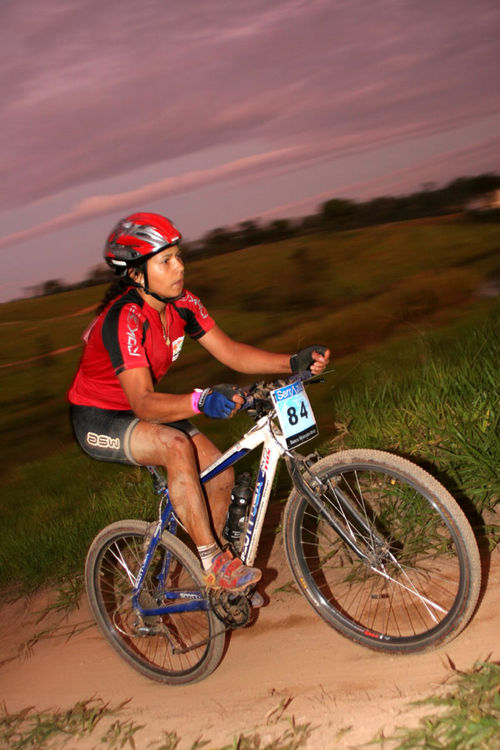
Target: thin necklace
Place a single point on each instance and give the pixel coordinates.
(166, 332)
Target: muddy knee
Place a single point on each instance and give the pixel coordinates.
(176, 448)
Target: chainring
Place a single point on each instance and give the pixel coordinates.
(233, 609)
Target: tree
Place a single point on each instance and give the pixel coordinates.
(52, 286)
(249, 233)
(279, 229)
(219, 240)
(339, 213)
(99, 274)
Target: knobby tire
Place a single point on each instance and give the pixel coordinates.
(148, 643)
(416, 582)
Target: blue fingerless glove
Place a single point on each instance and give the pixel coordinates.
(216, 403)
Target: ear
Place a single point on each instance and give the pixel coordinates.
(136, 275)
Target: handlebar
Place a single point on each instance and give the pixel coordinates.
(259, 394)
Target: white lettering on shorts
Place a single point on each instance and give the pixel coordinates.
(132, 328)
(103, 441)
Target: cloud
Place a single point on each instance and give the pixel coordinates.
(93, 90)
(105, 204)
(254, 168)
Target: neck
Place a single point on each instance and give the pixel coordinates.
(156, 304)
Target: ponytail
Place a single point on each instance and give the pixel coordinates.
(114, 290)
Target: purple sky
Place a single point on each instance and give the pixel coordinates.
(215, 112)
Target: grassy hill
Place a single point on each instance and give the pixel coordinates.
(404, 307)
(351, 290)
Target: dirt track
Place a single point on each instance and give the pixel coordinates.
(288, 663)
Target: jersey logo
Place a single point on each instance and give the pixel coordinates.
(132, 328)
(103, 441)
(176, 347)
(197, 303)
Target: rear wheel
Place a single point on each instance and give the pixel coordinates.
(406, 574)
(176, 648)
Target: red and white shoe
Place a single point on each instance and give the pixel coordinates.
(229, 573)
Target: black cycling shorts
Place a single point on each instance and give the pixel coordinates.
(105, 433)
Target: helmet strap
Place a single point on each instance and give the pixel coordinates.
(145, 288)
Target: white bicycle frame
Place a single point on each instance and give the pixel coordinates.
(268, 434)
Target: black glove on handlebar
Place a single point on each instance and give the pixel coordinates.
(303, 359)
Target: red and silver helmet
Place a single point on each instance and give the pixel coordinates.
(136, 238)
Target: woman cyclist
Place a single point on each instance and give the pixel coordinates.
(136, 336)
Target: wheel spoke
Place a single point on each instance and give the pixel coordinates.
(412, 590)
(386, 563)
(116, 552)
(178, 647)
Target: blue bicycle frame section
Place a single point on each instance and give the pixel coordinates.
(186, 600)
(189, 600)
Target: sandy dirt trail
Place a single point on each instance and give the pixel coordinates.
(288, 656)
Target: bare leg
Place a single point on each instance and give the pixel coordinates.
(182, 457)
(218, 489)
(154, 444)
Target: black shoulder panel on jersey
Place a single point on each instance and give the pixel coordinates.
(193, 328)
(110, 333)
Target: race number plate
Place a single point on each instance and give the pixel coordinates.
(295, 415)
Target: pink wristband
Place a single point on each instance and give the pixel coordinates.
(195, 397)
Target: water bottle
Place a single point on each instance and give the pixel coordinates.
(241, 496)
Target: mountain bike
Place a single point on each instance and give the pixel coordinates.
(376, 545)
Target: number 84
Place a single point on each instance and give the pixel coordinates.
(293, 418)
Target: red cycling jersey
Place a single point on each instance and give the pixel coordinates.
(129, 334)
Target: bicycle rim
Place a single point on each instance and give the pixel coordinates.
(409, 580)
(175, 648)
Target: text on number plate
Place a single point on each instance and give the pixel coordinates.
(295, 414)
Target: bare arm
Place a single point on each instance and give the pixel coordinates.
(242, 357)
(151, 406)
(169, 407)
(248, 359)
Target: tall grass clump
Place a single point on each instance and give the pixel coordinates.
(56, 506)
(41, 729)
(466, 716)
(438, 404)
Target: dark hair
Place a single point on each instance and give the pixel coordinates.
(114, 290)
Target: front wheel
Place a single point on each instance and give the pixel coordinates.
(391, 562)
(177, 648)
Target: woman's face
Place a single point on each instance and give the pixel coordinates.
(165, 272)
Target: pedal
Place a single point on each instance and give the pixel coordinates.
(233, 609)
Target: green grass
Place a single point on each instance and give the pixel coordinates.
(437, 404)
(336, 268)
(53, 307)
(65, 500)
(467, 716)
(414, 352)
(40, 729)
(95, 719)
